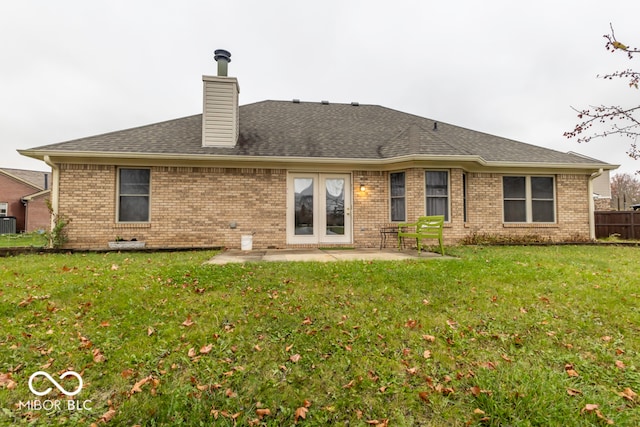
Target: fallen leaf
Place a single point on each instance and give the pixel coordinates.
(411, 323)
(114, 267)
(127, 373)
(105, 324)
(573, 392)
(263, 412)
(25, 302)
(191, 352)
(426, 354)
(7, 382)
(98, 357)
(137, 387)
(452, 324)
(287, 348)
(506, 358)
(590, 407)
(257, 347)
(301, 412)
(572, 373)
(48, 364)
(150, 331)
(424, 396)
(307, 321)
(429, 338)
(606, 338)
(107, 416)
(230, 393)
(620, 364)
(478, 411)
(295, 358)
(188, 322)
(628, 394)
(349, 384)
(206, 349)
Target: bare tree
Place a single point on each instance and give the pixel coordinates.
(625, 191)
(601, 121)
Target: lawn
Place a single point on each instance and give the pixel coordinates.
(517, 336)
(22, 240)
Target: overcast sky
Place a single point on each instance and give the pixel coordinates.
(76, 68)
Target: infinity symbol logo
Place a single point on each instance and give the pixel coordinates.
(55, 383)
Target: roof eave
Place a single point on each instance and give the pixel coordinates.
(70, 156)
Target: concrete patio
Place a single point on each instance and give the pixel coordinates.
(319, 255)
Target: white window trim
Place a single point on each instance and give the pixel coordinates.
(148, 221)
(404, 197)
(4, 206)
(447, 220)
(529, 200)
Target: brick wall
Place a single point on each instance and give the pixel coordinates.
(196, 207)
(37, 214)
(190, 207)
(11, 191)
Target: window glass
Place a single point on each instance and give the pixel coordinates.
(4, 207)
(464, 197)
(133, 203)
(397, 190)
(437, 190)
(542, 187)
(528, 199)
(515, 211)
(514, 187)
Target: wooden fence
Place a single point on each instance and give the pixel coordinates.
(625, 224)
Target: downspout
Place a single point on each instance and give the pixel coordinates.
(55, 189)
(592, 208)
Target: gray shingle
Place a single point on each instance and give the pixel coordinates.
(288, 129)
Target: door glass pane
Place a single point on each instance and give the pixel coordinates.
(335, 205)
(303, 188)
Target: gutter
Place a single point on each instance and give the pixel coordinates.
(228, 159)
(592, 208)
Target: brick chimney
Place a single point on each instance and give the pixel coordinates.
(220, 106)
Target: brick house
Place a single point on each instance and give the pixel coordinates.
(303, 174)
(23, 195)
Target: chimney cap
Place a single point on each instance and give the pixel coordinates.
(222, 54)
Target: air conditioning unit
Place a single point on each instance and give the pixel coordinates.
(8, 225)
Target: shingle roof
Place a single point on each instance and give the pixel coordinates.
(317, 130)
(34, 178)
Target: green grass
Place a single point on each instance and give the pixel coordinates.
(492, 338)
(37, 240)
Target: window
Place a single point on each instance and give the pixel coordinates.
(133, 195)
(4, 208)
(437, 190)
(528, 199)
(464, 197)
(398, 191)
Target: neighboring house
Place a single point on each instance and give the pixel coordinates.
(302, 174)
(23, 195)
(602, 192)
(601, 188)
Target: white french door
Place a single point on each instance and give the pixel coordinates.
(318, 208)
